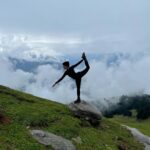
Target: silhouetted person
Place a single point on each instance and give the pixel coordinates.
(76, 76)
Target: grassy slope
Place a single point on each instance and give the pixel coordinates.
(26, 111)
(143, 126)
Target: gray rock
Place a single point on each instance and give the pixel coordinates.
(140, 137)
(57, 142)
(86, 111)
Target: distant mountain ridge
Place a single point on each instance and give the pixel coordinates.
(32, 65)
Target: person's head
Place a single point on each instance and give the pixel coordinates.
(66, 64)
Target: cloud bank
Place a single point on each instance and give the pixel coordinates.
(112, 74)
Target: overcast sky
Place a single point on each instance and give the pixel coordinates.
(86, 17)
(106, 24)
(63, 28)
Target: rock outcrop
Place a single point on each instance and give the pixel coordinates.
(57, 142)
(86, 111)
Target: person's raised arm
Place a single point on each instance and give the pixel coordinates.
(59, 79)
(78, 63)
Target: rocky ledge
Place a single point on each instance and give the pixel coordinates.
(86, 111)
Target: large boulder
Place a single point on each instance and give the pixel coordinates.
(57, 142)
(86, 111)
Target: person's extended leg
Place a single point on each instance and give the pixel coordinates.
(78, 84)
(82, 73)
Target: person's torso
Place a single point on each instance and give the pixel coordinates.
(71, 73)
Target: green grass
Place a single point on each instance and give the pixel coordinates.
(29, 112)
(142, 125)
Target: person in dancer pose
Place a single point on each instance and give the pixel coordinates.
(77, 76)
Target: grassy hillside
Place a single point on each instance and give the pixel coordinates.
(143, 126)
(23, 112)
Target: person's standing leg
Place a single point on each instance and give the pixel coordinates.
(78, 84)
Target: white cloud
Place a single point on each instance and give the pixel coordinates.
(13, 78)
(129, 77)
(128, 74)
(30, 47)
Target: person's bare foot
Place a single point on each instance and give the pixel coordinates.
(83, 56)
(77, 101)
